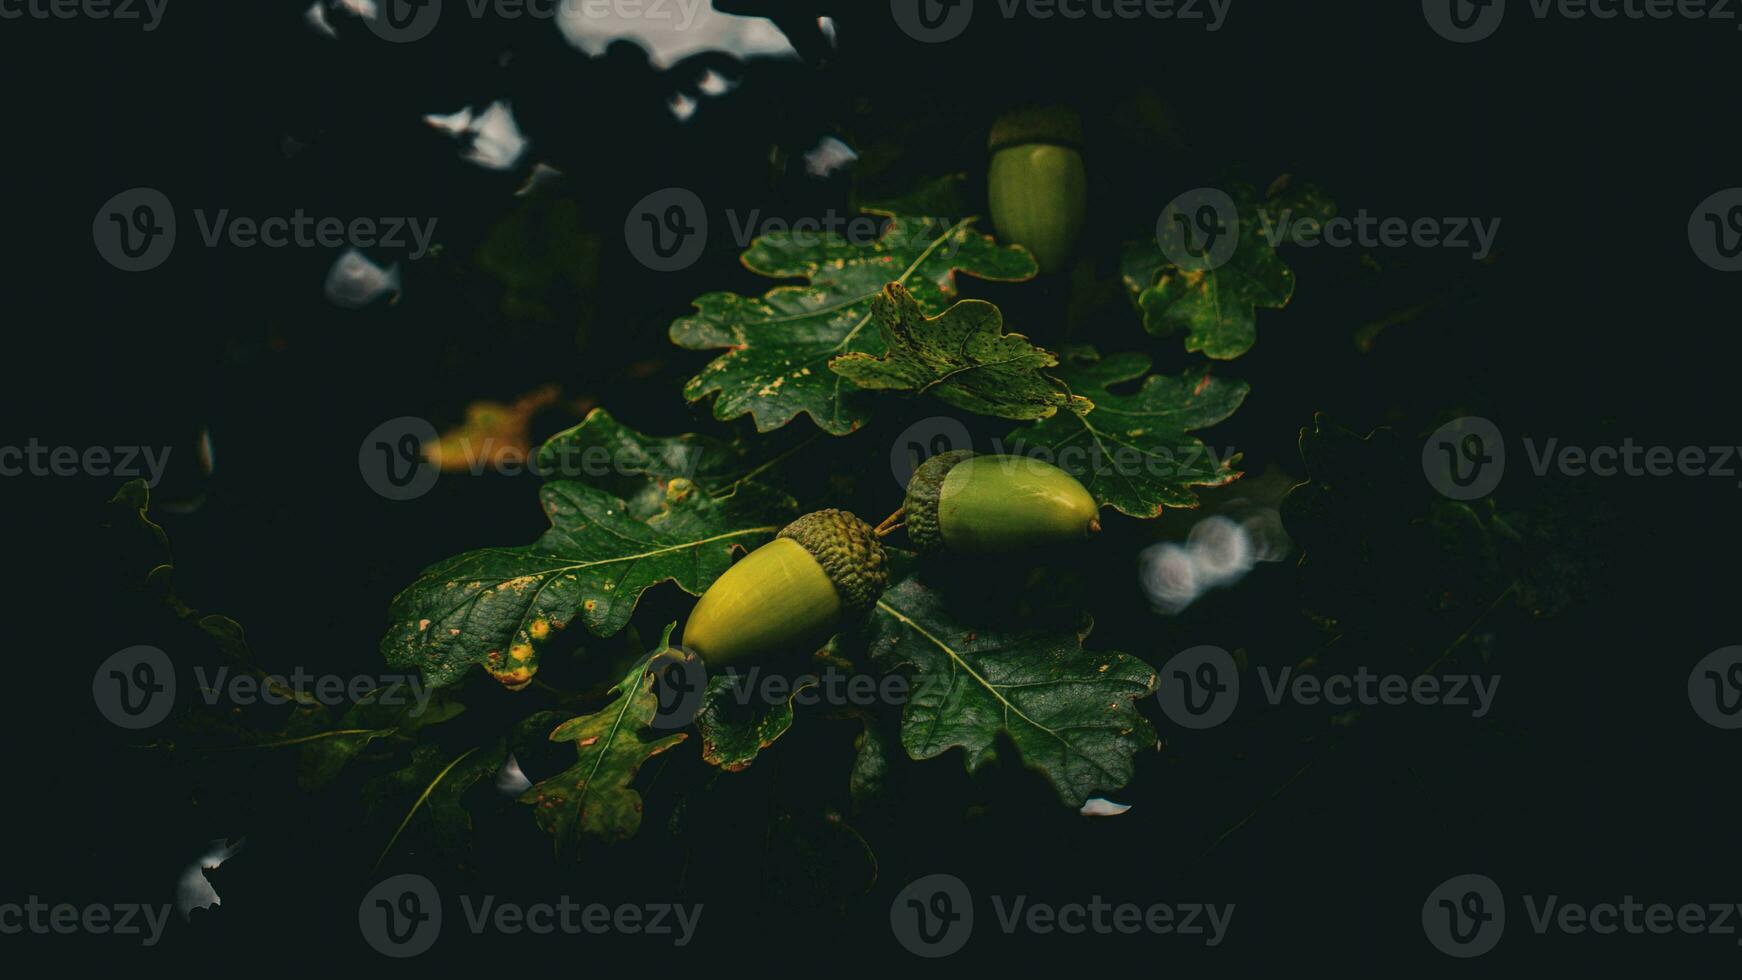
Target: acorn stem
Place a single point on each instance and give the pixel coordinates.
(891, 523)
(1095, 526)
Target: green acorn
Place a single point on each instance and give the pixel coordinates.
(995, 505)
(1038, 187)
(792, 591)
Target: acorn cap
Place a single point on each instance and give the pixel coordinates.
(849, 552)
(923, 489)
(1037, 124)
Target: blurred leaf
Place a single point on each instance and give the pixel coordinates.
(492, 434)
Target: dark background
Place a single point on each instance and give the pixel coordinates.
(1593, 779)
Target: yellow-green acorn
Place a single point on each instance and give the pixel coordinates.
(792, 591)
(962, 502)
(1038, 186)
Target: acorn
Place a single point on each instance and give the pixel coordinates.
(792, 592)
(971, 504)
(1038, 187)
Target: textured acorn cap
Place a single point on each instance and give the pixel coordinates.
(920, 512)
(849, 552)
(1039, 124)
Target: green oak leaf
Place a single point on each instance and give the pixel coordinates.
(732, 731)
(780, 344)
(495, 607)
(640, 468)
(1071, 713)
(1133, 451)
(430, 788)
(1216, 308)
(962, 356)
(594, 798)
